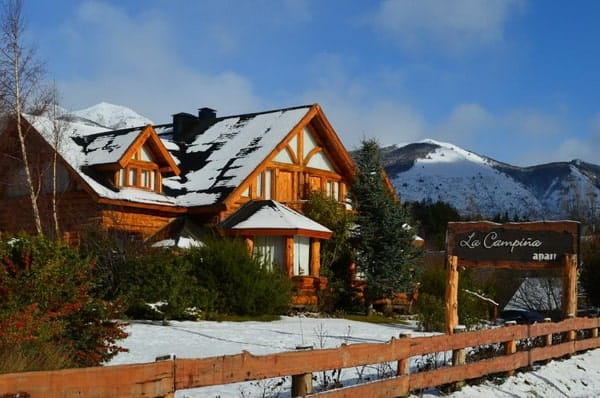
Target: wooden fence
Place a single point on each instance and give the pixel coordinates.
(513, 347)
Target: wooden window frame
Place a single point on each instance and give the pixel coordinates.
(131, 176)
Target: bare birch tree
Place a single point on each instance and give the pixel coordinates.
(21, 90)
(58, 128)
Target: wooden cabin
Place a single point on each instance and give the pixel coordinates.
(198, 170)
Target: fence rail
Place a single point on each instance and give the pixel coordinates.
(538, 342)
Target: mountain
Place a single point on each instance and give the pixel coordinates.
(478, 185)
(107, 115)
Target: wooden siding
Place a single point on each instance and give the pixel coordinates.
(140, 222)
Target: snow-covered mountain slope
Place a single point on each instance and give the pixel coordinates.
(478, 185)
(111, 116)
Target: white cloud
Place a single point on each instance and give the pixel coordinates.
(583, 147)
(463, 123)
(452, 26)
(353, 110)
(132, 61)
(354, 118)
(535, 123)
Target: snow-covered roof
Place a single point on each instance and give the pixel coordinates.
(108, 147)
(269, 214)
(218, 159)
(213, 162)
(180, 232)
(75, 138)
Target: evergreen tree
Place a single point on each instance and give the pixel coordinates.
(336, 253)
(386, 254)
(433, 219)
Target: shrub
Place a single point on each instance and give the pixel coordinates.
(336, 252)
(46, 291)
(433, 286)
(431, 313)
(238, 283)
(158, 275)
(590, 277)
(141, 275)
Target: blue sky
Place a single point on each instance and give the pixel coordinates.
(515, 80)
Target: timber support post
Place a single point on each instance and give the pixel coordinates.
(594, 332)
(404, 363)
(510, 346)
(570, 286)
(302, 384)
(548, 337)
(459, 356)
(452, 294)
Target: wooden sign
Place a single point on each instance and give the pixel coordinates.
(527, 245)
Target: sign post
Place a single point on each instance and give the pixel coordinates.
(531, 245)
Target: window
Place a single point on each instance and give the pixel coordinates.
(333, 190)
(301, 255)
(260, 189)
(268, 183)
(141, 172)
(144, 176)
(264, 184)
(271, 249)
(132, 177)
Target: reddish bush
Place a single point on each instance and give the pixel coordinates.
(46, 295)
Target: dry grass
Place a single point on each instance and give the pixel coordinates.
(19, 359)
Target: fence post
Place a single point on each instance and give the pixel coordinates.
(168, 357)
(548, 339)
(404, 363)
(571, 334)
(459, 356)
(451, 293)
(594, 332)
(510, 347)
(302, 383)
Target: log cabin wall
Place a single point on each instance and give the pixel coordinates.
(138, 222)
(75, 211)
(77, 207)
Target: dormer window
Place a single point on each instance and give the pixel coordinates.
(132, 158)
(141, 172)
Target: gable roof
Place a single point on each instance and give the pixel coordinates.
(118, 147)
(213, 156)
(259, 216)
(105, 146)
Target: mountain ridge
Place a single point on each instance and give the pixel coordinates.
(477, 185)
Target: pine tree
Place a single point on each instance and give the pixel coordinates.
(386, 254)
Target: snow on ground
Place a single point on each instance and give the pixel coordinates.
(576, 377)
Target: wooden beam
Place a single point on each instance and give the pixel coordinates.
(570, 286)
(249, 241)
(315, 257)
(451, 294)
(289, 255)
